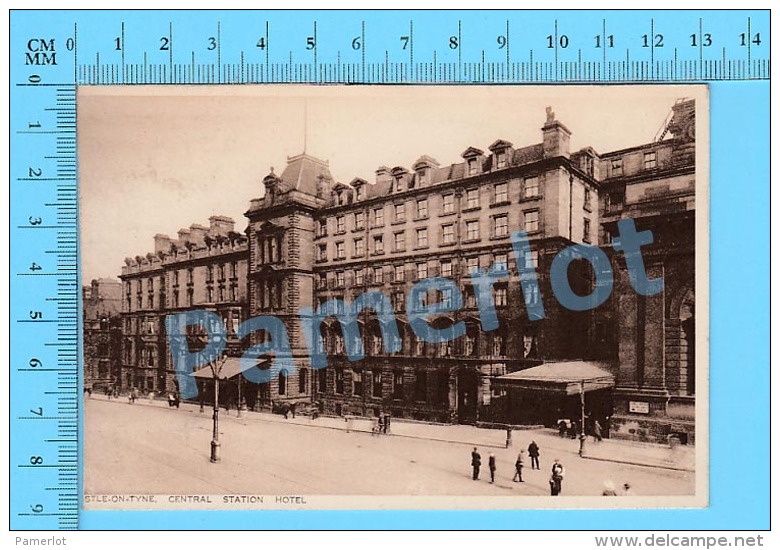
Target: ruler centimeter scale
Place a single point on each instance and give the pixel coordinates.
(54, 52)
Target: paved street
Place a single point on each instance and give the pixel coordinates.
(145, 448)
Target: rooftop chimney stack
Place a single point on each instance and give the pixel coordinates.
(555, 137)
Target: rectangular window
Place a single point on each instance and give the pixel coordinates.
(358, 192)
(322, 228)
(448, 233)
(398, 302)
(340, 250)
(617, 167)
(500, 226)
(322, 252)
(586, 200)
(339, 380)
(532, 260)
(615, 201)
(500, 262)
(422, 237)
(500, 296)
(422, 177)
(422, 208)
(586, 230)
(421, 386)
(500, 193)
(650, 160)
(531, 187)
(422, 270)
(531, 222)
(472, 166)
(472, 230)
(398, 273)
(448, 204)
(340, 278)
(357, 382)
(472, 264)
(359, 277)
(501, 159)
(376, 384)
(359, 247)
(399, 212)
(399, 184)
(379, 275)
(322, 280)
(399, 242)
(446, 298)
(398, 384)
(472, 198)
(446, 268)
(359, 220)
(379, 217)
(341, 225)
(379, 245)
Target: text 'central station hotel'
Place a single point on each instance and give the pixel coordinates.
(311, 239)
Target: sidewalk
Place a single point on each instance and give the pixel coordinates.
(621, 451)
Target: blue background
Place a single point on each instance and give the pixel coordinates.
(739, 228)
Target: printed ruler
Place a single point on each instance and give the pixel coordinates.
(53, 52)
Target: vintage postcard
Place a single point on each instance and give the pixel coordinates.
(394, 297)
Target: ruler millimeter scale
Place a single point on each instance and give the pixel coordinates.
(54, 52)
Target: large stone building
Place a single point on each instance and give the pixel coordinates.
(205, 268)
(312, 240)
(102, 303)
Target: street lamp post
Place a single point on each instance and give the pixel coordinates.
(582, 418)
(215, 437)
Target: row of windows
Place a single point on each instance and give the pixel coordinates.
(421, 270)
(221, 273)
(444, 298)
(649, 161)
(447, 236)
(371, 383)
(421, 211)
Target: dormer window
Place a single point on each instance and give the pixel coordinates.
(422, 176)
(399, 184)
(359, 193)
(501, 159)
(472, 165)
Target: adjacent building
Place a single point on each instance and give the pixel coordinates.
(102, 303)
(203, 268)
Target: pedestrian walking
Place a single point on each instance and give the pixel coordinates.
(596, 431)
(563, 427)
(557, 477)
(492, 467)
(533, 452)
(386, 425)
(476, 462)
(519, 468)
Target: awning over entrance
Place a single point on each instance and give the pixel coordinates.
(562, 378)
(230, 368)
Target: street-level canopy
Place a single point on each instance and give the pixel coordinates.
(230, 368)
(566, 377)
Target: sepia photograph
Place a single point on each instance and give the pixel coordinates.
(394, 297)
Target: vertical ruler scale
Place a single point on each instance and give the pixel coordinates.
(49, 60)
(45, 292)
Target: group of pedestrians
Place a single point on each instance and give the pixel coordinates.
(556, 477)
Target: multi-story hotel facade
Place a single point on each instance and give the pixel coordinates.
(311, 239)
